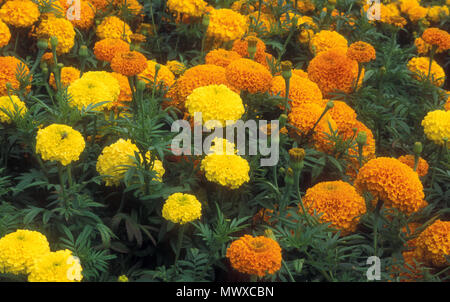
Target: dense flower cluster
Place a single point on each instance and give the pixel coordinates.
(436, 125)
(60, 143)
(361, 52)
(5, 34)
(182, 208)
(60, 28)
(226, 25)
(337, 202)
(255, 255)
(59, 266)
(248, 75)
(8, 106)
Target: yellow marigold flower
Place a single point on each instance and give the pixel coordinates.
(438, 37)
(228, 170)
(129, 63)
(106, 49)
(59, 266)
(338, 202)
(393, 182)
(301, 90)
(122, 278)
(61, 28)
(223, 146)
(241, 47)
(114, 28)
(361, 52)
(217, 103)
(246, 74)
(68, 76)
(19, 13)
(265, 20)
(18, 249)
(325, 40)
(125, 90)
(436, 13)
(332, 70)
(416, 13)
(192, 8)
(422, 167)
(5, 34)
(182, 208)
(176, 67)
(197, 76)
(436, 125)
(419, 67)
(8, 68)
(60, 143)
(221, 57)
(116, 158)
(226, 25)
(87, 14)
(132, 5)
(433, 244)
(305, 36)
(92, 88)
(164, 74)
(255, 255)
(7, 103)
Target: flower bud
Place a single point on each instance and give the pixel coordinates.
(45, 72)
(417, 149)
(286, 69)
(83, 52)
(282, 120)
(289, 177)
(296, 156)
(330, 104)
(269, 234)
(361, 138)
(53, 41)
(205, 20)
(140, 86)
(251, 46)
(60, 66)
(42, 44)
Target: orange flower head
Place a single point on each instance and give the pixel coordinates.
(422, 167)
(241, 47)
(344, 116)
(106, 49)
(438, 37)
(8, 67)
(164, 74)
(125, 90)
(255, 255)
(246, 74)
(68, 75)
(361, 52)
(433, 244)
(129, 63)
(221, 57)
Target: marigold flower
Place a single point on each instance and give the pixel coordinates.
(241, 47)
(114, 28)
(300, 72)
(8, 68)
(7, 103)
(86, 17)
(216, 103)
(19, 248)
(325, 40)
(133, 6)
(60, 28)
(129, 63)
(176, 67)
(416, 13)
(255, 255)
(125, 90)
(301, 90)
(5, 34)
(106, 49)
(393, 182)
(68, 76)
(419, 67)
(332, 70)
(92, 88)
(246, 74)
(19, 13)
(353, 153)
(436, 125)
(192, 8)
(344, 116)
(361, 52)
(433, 244)
(116, 159)
(228, 170)
(60, 143)
(182, 208)
(100, 5)
(164, 74)
(338, 202)
(59, 266)
(438, 37)
(226, 25)
(422, 166)
(221, 57)
(436, 13)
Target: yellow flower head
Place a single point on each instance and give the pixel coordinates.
(438, 37)
(192, 8)
(114, 28)
(436, 125)
(129, 63)
(5, 34)
(221, 57)
(176, 67)
(59, 142)
(216, 103)
(68, 76)
(19, 13)
(325, 40)
(419, 67)
(228, 170)
(182, 208)
(8, 103)
(255, 255)
(422, 166)
(246, 74)
(60, 28)
(361, 52)
(164, 74)
(59, 266)
(19, 249)
(436, 13)
(226, 25)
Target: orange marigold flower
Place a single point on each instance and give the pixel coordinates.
(332, 70)
(61, 28)
(100, 5)
(47, 58)
(300, 72)
(129, 63)
(176, 67)
(361, 52)
(164, 74)
(226, 25)
(246, 74)
(106, 49)
(433, 244)
(68, 75)
(87, 14)
(423, 48)
(338, 202)
(192, 8)
(344, 116)
(8, 68)
(5, 34)
(19, 13)
(393, 182)
(114, 28)
(301, 90)
(125, 90)
(241, 47)
(438, 37)
(221, 57)
(255, 255)
(325, 40)
(422, 167)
